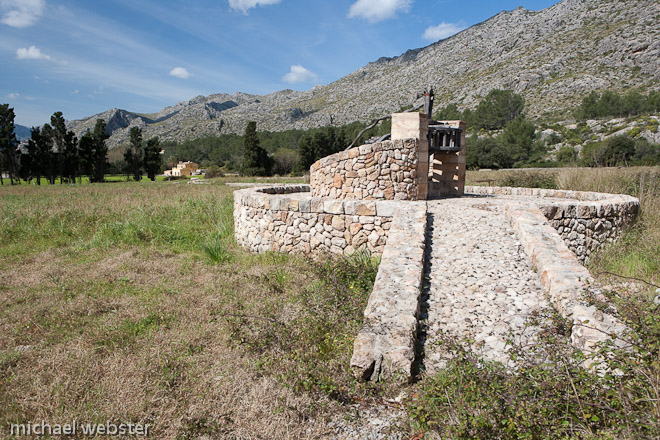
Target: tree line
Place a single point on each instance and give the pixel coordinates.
(286, 152)
(613, 104)
(55, 153)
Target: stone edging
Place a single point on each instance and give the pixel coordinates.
(385, 346)
(585, 220)
(564, 279)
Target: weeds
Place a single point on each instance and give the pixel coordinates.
(550, 395)
(216, 250)
(304, 337)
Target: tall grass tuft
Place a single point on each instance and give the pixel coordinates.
(216, 251)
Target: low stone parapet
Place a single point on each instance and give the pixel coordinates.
(585, 220)
(385, 346)
(564, 278)
(288, 219)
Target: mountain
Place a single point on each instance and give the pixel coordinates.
(22, 132)
(552, 57)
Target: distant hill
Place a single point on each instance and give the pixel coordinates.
(552, 57)
(22, 132)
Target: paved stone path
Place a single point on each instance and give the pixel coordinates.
(481, 285)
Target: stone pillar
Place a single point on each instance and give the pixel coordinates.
(448, 169)
(415, 125)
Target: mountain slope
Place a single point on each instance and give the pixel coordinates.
(22, 132)
(552, 57)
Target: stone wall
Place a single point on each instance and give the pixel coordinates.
(566, 281)
(384, 170)
(385, 346)
(289, 219)
(585, 220)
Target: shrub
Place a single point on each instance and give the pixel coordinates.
(525, 179)
(214, 171)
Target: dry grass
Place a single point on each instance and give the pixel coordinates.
(111, 310)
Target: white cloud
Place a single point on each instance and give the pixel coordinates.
(442, 31)
(180, 72)
(244, 5)
(34, 53)
(75, 92)
(299, 74)
(21, 13)
(17, 96)
(378, 10)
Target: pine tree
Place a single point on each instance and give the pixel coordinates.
(152, 158)
(66, 144)
(39, 150)
(256, 161)
(134, 154)
(99, 137)
(498, 108)
(50, 154)
(8, 143)
(86, 155)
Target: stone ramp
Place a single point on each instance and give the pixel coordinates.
(481, 284)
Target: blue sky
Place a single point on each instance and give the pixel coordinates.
(82, 57)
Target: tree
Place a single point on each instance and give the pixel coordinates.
(66, 144)
(498, 108)
(134, 154)
(517, 140)
(589, 107)
(39, 152)
(99, 136)
(619, 150)
(255, 159)
(87, 155)
(50, 158)
(610, 104)
(306, 150)
(8, 143)
(93, 153)
(152, 158)
(566, 155)
(486, 152)
(633, 103)
(286, 161)
(449, 113)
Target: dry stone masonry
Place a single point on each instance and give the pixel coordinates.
(493, 256)
(287, 219)
(585, 220)
(383, 170)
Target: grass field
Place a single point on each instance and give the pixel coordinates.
(130, 302)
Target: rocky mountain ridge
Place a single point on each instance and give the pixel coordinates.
(552, 57)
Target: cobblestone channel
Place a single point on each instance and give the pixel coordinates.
(481, 286)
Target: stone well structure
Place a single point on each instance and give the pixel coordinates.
(376, 196)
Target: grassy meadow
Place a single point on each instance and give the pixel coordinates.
(130, 302)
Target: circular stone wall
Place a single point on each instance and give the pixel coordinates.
(382, 170)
